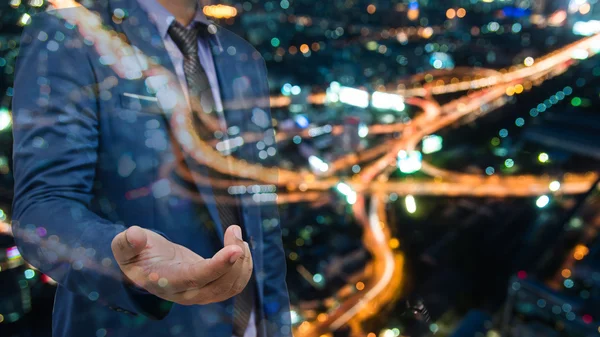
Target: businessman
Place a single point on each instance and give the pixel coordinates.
(120, 193)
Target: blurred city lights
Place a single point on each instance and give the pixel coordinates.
(220, 11)
(516, 27)
(410, 203)
(318, 278)
(520, 122)
(286, 89)
(371, 9)
(25, 19)
(318, 164)
(580, 252)
(295, 318)
(586, 28)
(387, 333)
(355, 97)
(302, 121)
(558, 18)
(542, 201)
(441, 60)
(363, 130)
(407, 131)
(529, 61)
(574, 5)
(432, 144)
(13, 253)
(409, 162)
(385, 101)
(347, 191)
(5, 119)
(413, 10)
(493, 26)
(29, 274)
(580, 54)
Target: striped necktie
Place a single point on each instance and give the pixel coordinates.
(186, 40)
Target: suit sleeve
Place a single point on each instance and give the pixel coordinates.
(276, 304)
(56, 133)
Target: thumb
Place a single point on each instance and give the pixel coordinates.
(128, 244)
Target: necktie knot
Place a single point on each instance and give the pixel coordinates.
(186, 38)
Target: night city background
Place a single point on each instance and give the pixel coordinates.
(441, 164)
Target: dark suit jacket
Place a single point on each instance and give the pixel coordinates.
(90, 149)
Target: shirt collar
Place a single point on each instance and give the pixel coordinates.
(163, 19)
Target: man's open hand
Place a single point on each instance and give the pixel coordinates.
(177, 274)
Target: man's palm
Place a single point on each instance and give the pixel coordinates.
(177, 274)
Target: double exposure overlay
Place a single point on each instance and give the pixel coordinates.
(397, 167)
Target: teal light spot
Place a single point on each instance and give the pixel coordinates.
(93, 296)
(569, 283)
(29, 274)
(318, 278)
(519, 122)
(568, 90)
(541, 107)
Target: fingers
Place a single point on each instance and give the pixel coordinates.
(233, 236)
(245, 273)
(208, 270)
(129, 244)
(225, 287)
